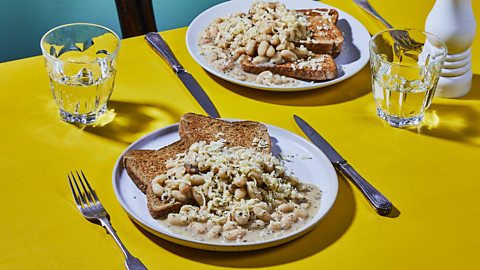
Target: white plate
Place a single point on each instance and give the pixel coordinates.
(351, 60)
(307, 162)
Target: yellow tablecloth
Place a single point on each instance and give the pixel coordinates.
(430, 173)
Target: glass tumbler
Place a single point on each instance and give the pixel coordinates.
(405, 66)
(81, 63)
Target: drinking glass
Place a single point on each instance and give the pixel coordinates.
(81, 62)
(405, 66)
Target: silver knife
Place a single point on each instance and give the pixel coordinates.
(381, 204)
(157, 42)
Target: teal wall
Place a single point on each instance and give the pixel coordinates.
(171, 14)
(23, 22)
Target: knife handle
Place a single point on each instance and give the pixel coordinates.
(157, 42)
(381, 204)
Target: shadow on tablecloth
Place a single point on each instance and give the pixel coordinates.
(349, 89)
(125, 122)
(455, 122)
(327, 232)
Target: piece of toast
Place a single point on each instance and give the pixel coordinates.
(319, 68)
(143, 165)
(325, 37)
(196, 127)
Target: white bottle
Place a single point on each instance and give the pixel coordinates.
(454, 23)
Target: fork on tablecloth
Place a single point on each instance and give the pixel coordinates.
(91, 208)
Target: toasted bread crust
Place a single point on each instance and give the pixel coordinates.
(326, 37)
(143, 165)
(158, 208)
(195, 127)
(132, 161)
(326, 69)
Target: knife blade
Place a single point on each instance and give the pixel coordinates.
(381, 204)
(157, 42)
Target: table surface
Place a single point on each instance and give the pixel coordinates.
(427, 172)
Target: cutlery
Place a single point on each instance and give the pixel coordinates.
(401, 37)
(381, 204)
(157, 42)
(91, 208)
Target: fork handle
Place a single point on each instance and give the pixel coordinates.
(368, 8)
(131, 262)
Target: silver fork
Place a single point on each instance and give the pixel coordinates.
(403, 41)
(91, 208)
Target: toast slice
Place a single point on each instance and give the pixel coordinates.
(319, 68)
(325, 37)
(195, 127)
(143, 165)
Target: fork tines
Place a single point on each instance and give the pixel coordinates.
(84, 196)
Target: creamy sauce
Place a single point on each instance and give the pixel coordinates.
(312, 195)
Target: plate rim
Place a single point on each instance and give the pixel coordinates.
(118, 168)
(304, 86)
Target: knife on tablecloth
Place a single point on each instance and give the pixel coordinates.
(157, 42)
(381, 204)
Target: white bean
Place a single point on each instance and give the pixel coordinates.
(179, 196)
(176, 219)
(275, 226)
(215, 232)
(301, 213)
(180, 172)
(241, 217)
(157, 189)
(261, 213)
(262, 48)
(185, 188)
(203, 167)
(260, 59)
(240, 180)
(197, 228)
(277, 59)
(240, 193)
(253, 192)
(270, 51)
(173, 184)
(285, 223)
(160, 179)
(291, 217)
(262, 37)
(197, 196)
(257, 224)
(280, 47)
(275, 40)
(288, 55)
(250, 47)
(235, 234)
(301, 52)
(276, 216)
(222, 173)
(197, 179)
(230, 225)
(286, 207)
(289, 46)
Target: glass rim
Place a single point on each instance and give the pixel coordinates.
(110, 56)
(440, 41)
